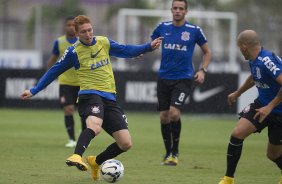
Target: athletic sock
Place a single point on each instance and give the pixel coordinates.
(112, 151)
(83, 124)
(166, 133)
(278, 162)
(83, 141)
(69, 124)
(233, 155)
(176, 129)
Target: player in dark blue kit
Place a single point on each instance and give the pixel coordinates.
(176, 73)
(265, 111)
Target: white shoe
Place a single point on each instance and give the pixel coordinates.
(71, 144)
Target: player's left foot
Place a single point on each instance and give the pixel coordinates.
(95, 168)
(70, 144)
(280, 182)
(167, 159)
(226, 180)
(76, 160)
(174, 160)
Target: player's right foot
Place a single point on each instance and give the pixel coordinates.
(95, 168)
(174, 159)
(70, 144)
(280, 182)
(167, 159)
(76, 160)
(226, 180)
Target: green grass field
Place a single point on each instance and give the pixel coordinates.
(32, 151)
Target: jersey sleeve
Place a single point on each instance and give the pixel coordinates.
(201, 38)
(128, 51)
(156, 33)
(55, 49)
(66, 62)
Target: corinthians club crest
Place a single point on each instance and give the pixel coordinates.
(95, 109)
(185, 36)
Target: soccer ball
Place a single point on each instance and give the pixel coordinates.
(112, 170)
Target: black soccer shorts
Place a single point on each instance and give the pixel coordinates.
(94, 105)
(272, 121)
(68, 94)
(172, 93)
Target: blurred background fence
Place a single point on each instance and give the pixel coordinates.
(28, 29)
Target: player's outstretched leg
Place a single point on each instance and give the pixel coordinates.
(76, 160)
(95, 168)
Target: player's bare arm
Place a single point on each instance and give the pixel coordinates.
(200, 75)
(232, 97)
(263, 112)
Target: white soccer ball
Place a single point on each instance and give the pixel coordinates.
(112, 170)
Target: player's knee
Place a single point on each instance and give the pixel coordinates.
(68, 110)
(96, 128)
(273, 156)
(174, 114)
(237, 133)
(164, 118)
(126, 145)
(174, 117)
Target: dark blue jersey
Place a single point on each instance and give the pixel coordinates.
(265, 69)
(70, 59)
(177, 49)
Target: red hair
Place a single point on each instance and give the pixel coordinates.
(79, 20)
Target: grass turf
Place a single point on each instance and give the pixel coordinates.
(32, 151)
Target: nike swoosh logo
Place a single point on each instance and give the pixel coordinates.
(94, 55)
(115, 167)
(201, 96)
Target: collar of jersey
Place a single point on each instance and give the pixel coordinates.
(93, 42)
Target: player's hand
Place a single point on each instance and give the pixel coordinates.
(26, 94)
(200, 77)
(232, 97)
(262, 113)
(156, 43)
